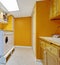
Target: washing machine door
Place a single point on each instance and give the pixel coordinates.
(6, 39)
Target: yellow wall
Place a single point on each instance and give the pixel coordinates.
(44, 26)
(1, 25)
(9, 25)
(22, 29)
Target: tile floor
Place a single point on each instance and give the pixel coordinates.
(23, 56)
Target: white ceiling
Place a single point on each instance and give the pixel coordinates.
(25, 8)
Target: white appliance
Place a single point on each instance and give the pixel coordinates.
(6, 45)
(8, 41)
(2, 58)
(1, 43)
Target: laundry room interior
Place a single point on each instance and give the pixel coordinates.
(29, 32)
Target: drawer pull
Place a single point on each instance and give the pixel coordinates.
(51, 43)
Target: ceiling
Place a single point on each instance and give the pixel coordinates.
(25, 8)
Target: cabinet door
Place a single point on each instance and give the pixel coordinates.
(59, 62)
(42, 53)
(43, 56)
(51, 59)
(58, 7)
(53, 9)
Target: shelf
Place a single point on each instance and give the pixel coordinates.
(3, 17)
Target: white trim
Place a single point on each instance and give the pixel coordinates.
(24, 46)
(8, 32)
(38, 60)
(39, 0)
(6, 55)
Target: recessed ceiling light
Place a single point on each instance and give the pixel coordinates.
(10, 5)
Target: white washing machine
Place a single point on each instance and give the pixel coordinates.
(6, 45)
(1, 43)
(8, 41)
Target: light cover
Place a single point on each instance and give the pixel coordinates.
(10, 5)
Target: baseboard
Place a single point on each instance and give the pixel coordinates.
(38, 60)
(23, 46)
(6, 55)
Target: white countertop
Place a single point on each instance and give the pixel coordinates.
(53, 40)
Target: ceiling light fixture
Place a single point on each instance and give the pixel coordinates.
(10, 5)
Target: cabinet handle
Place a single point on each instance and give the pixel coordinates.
(51, 43)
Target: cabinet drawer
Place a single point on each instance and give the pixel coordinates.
(53, 49)
(51, 59)
(48, 45)
(42, 44)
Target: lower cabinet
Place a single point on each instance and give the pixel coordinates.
(59, 62)
(50, 53)
(43, 52)
(51, 59)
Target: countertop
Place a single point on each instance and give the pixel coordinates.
(53, 40)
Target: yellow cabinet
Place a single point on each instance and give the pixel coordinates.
(51, 59)
(43, 51)
(53, 49)
(54, 9)
(9, 26)
(50, 53)
(58, 7)
(42, 44)
(59, 62)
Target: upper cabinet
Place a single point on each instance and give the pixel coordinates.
(3, 17)
(10, 25)
(58, 7)
(55, 9)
